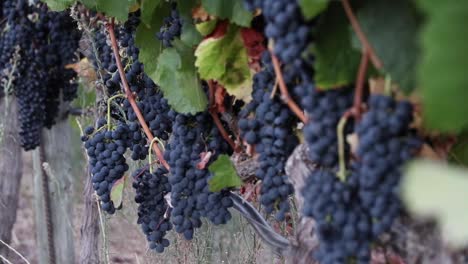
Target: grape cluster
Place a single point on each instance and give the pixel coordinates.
(285, 25)
(272, 131)
(63, 42)
(385, 144)
(353, 213)
(171, 28)
(150, 101)
(153, 218)
(192, 138)
(106, 148)
(36, 44)
(343, 227)
(325, 110)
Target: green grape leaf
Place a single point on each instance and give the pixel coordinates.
(58, 5)
(432, 189)
(336, 61)
(459, 152)
(177, 76)
(224, 174)
(115, 8)
(391, 28)
(150, 47)
(233, 10)
(91, 4)
(205, 28)
(225, 60)
(442, 75)
(190, 36)
(311, 8)
(117, 190)
(147, 9)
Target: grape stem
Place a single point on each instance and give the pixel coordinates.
(129, 95)
(366, 46)
(150, 160)
(284, 90)
(341, 146)
(109, 101)
(214, 115)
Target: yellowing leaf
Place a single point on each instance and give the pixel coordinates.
(116, 194)
(225, 60)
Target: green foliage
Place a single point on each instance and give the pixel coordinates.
(311, 8)
(224, 174)
(190, 35)
(115, 8)
(233, 10)
(147, 9)
(443, 77)
(150, 47)
(459, 152)
(336, 62)
(205, 28)
(225, 60)
(58, 5)
(177, 76)
(437, 190)
(116, 194)
(392, 29)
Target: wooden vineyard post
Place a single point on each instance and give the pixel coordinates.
(10, 170)
(52, 171)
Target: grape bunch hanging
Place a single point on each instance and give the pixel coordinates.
(352, 194)
(36, 45)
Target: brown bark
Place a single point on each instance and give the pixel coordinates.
(10, 170)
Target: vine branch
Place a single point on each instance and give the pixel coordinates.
(366, 46)
(129, 95)
(284, 90)
(359, 90)
(214, 115)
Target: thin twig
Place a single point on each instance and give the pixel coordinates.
(366, 46)
(359, 90)
(15, 251)
(284, 90)
(130, 98)
(214, 115)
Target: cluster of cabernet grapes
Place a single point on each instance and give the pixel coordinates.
(325, 110)
(385, 144)
(343, 227)
(63, 42)
(105, 149)
(285, 25)
(156, 112)
(351, 214)
(153, 215)
(171, 28)
(191, 199)
(150, 101)
(272, 132)
(36, 45)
